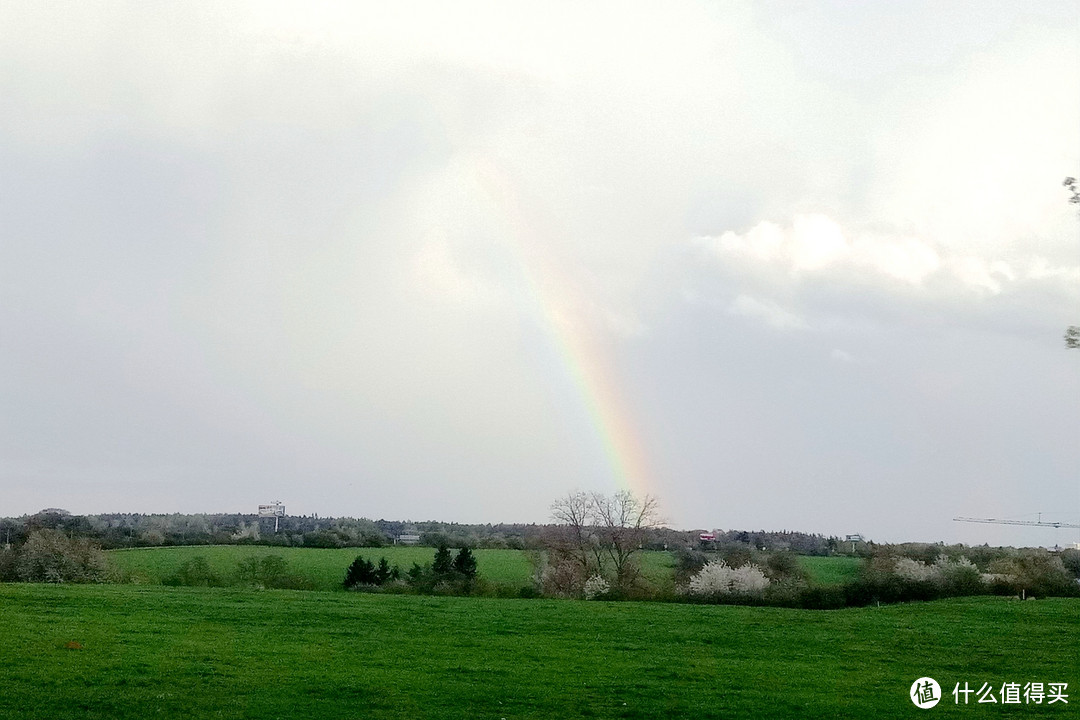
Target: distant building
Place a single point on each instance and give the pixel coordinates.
(707, 537)
(407, 540)
(274, 509)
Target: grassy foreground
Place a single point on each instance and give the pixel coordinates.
(190, 652)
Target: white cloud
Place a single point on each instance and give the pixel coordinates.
(1039, 268)
(815, 245)
(625, 326)
(904, 258)
(768, 311)
(971, 155)
(765, 241)
(841, 356)
(979, 274)
(815, 242)
(437, 272)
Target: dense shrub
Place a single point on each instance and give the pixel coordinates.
(323, 539)
(270, 571)
(949, 578)
(8, 569)
(784, 566)
(889, 579)
(446, 575)
(384, 573)
(365, 573)
(1035, 573)
(50, 556)
(443, 564)
(563, 579)
(372, 539)
(596, 587)
(687, 562)
(735, 554)
(1070, 559)
(914, 570)
(720, 579)
(960, 577)
(818, 598)
(465, 563)
(195, 572)
(360, 572)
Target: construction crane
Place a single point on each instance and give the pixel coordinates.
(1038, 522)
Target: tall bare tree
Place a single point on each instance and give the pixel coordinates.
(621, 523)
(598, 534)
(574, 540)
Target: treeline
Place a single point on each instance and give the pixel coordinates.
(446, 574)
(124, 530)
(270, 571)
(50, 555)
(733, 573)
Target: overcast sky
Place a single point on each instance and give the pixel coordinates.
(784, 265)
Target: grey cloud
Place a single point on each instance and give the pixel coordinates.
(327, 256)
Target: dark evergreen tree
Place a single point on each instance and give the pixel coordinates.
(361, 572)
(443, 565)
(383, 573)
(415, 573)
(465, 563)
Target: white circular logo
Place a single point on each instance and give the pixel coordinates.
(925, 693)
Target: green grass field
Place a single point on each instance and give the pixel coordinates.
(162, 652)
(326, 568)
(831, 570)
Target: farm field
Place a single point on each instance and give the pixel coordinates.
(205, 652)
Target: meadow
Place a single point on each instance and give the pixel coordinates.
(325, 568)
(834, 570)
(152, 651)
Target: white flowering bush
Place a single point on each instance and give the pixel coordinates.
(595, 587)
(717, 578)
(952, 577)
(991, 578)
(909, 569)
(961, 562)
(749, 579)
(958, 571)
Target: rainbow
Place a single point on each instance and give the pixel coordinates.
(555, 300)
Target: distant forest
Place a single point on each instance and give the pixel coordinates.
(124, 530)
